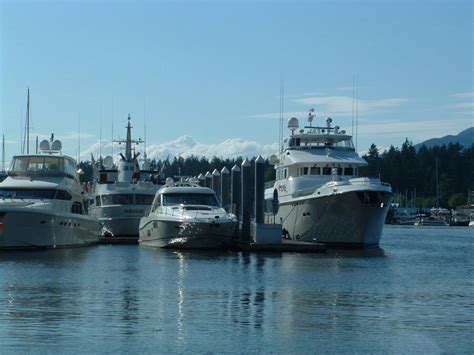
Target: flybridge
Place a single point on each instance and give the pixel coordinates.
(316, 136)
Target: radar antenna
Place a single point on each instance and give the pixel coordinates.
(310, 117)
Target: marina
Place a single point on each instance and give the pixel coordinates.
(243, 177)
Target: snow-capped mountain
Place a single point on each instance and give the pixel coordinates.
(185, 146)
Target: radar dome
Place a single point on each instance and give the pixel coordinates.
(56, 145)
(44, 145)
(293, 124)
(273, 160)
(108, 162)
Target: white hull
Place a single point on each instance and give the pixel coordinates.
(340, 219)
(27, 228)
(164, 233)
(121, 220)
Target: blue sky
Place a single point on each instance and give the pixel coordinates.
(211, 70)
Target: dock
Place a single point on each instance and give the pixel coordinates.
(287, 246)
(118, 240)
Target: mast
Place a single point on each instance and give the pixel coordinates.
(79, 141)
(144, 128)
(112, 138)
(357, 111)
(26, 137)
(28, 123)
(437, 187)
(3, 152)
(128, 143)
(280, 128)
(100, 133)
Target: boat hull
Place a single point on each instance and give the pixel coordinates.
(120, 221)
(342, 219)
(31, 229)
(188, 235)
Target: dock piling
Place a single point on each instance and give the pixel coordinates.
(259, 190)
(225, 187)
(208, 178)
(202, 180)
(235, 190)
(216, 183)
(246, 200)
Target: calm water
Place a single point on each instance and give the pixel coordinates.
(413, 294)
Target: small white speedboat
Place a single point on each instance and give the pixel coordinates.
(187, 216)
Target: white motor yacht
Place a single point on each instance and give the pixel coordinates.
(188, 216)
(318, 191)
(123, 193)
(42, 204)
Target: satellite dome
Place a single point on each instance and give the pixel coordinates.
(44, 145)
(274, 160)
(108, 162)
(293, 123)
(56, 145)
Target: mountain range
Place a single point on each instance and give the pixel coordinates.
(464, 138)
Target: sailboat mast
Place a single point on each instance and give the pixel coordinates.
(144, 128)
(28, 123)
(437, 187)
(3, 152)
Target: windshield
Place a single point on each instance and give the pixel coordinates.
(127, 199)
(190, 199)
(42, 165)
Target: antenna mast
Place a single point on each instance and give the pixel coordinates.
(112, 138)
(28, 124)
(353, 103)
(3, 152)
(282, 94)
(26, 137)
(144, 128)
(357, 111)
(100, 132)
(79, 141)
(22, 149)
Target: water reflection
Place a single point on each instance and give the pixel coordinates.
(129, 298)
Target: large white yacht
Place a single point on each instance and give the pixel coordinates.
(123, 193)
(188, 216)
(320, 197)
(42, 204)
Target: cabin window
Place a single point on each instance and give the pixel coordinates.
(76, 208)
(315, 170)
(349, 171)
(63, 195)
(28, 193)
(327, 170)
(97, 200)
(285, 172)
(117, 199)
(143, 199)
(356, 171)
(304, 171)
(339, 171)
